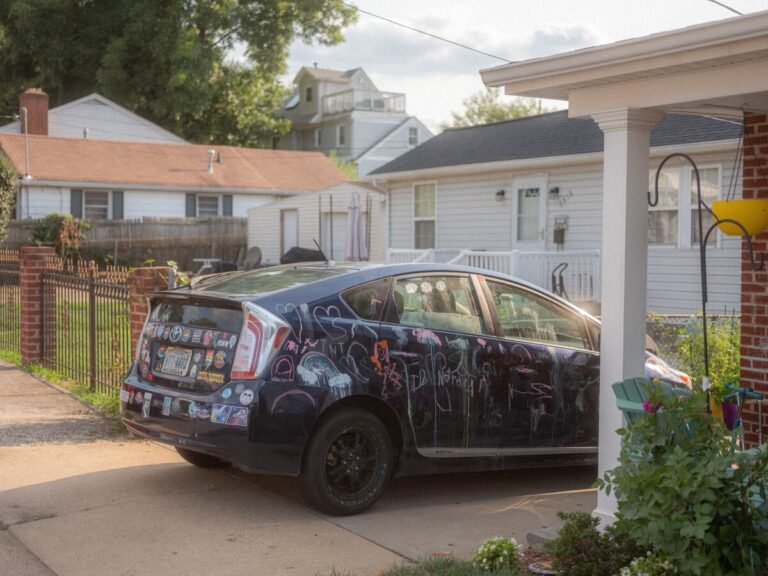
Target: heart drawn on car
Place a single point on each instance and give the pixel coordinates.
(327, 319)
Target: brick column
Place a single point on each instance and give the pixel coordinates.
(32, 263)
(142, 282)
(754, 285)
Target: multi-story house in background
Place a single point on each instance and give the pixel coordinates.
(344, 111)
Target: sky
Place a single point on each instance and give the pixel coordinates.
(436, 76)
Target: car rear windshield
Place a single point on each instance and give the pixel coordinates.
(267, 280)
(198, 316)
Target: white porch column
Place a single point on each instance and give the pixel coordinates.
(624, 270)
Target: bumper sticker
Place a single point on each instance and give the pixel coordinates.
(220, 413)
(203, 412)
(124, 395)
(167, 401)
(238, 416)
(226, 393)
(147, 405)
(246, 397)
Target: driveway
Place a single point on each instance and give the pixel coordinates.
(78, 499)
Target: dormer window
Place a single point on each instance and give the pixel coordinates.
(308, 94)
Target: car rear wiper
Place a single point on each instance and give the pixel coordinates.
(198, 280)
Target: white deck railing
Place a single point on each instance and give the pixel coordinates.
(580, 279)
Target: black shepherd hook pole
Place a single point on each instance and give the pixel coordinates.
(703, 239)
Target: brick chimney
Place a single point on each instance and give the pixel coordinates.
(36, 103)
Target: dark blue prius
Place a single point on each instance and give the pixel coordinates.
(345, 375)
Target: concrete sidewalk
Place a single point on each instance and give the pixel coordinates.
(73, 503)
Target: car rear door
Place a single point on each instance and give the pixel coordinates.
(435, 351)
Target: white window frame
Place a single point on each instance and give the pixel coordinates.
(413, 136)
(423, 218)
(109, 203)
(524, 183)
(218, 205)
(318, 137)
(686, 205)
(341, 135)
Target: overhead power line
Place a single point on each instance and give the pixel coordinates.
(726, 7)
(425, 33)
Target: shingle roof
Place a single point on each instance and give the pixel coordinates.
(552, 134)
(180, 165)
(329, 74)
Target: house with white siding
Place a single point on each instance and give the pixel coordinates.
(321, 216)
(344, 111)
(92, 116)
(113, 180)
(524, 197)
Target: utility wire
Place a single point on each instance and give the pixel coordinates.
(435, 36)
(726, 7)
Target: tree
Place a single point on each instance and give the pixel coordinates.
(168, 60)
(486, 106)
(349, 168)
(9, 184)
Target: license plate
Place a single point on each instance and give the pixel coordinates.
(176, 361)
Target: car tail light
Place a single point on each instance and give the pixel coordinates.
(262, 336)
(142, 337)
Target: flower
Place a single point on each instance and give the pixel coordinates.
(650, 407)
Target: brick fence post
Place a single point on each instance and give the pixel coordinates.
(141, 282)
(754, 285)
(31, 265)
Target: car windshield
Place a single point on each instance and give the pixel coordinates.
(269, 280)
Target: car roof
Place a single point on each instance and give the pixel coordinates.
(350, 274)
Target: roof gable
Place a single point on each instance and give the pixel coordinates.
(547, 135)
(104, 119)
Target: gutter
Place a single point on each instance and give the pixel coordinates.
(546, 162)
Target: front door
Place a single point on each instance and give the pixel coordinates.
(289, 230)
(529, 213)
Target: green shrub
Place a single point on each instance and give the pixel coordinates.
(498, 553)
(62, 231)
(580, 549)
(650, 565)
(683, 492)
(724, 345)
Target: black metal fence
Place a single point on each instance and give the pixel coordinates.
(10, 302)
(86, 331)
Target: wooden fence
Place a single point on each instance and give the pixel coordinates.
(132, 242)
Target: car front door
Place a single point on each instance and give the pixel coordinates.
(547, 372)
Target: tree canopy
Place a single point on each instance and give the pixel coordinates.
(487, 106)
(171, 61)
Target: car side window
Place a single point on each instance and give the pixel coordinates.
(367, 300)
(438, 303)
(527, 316)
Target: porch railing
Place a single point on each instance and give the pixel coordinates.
(580, 278)
(363, 100)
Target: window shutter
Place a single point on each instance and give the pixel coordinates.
(191, 206)
(226, 208)
(117, 205)
(76, 203)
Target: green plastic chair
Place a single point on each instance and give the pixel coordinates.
(631, 393)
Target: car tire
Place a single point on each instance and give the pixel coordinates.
(347, 463)
(201, 460)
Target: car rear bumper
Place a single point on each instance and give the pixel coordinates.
(205, 423)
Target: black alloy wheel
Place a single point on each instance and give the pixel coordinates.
(347, 464)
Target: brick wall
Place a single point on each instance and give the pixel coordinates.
(141, 282)
(32, 263)
(754, 285)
